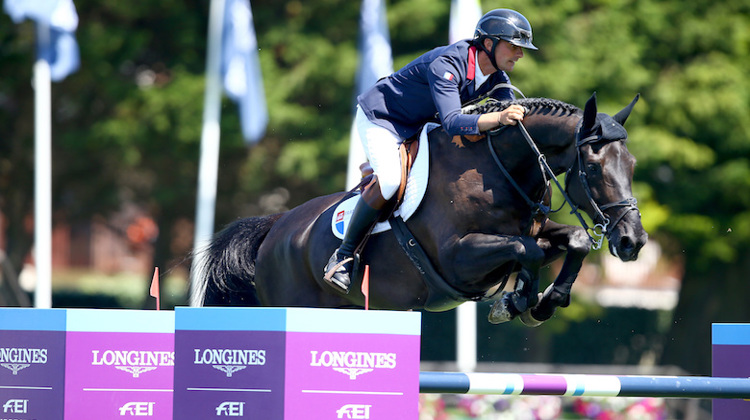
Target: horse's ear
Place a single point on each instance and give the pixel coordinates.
(589, 114)
(623, 115)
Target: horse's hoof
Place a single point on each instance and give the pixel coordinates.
(548, 304)
(528, 319)
(502, 311)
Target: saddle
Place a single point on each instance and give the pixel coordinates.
(408, 151)
(441, 295)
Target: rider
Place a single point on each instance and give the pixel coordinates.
(436, 83)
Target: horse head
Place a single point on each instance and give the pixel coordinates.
(600, 180)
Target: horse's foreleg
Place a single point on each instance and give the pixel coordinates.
(576, 243)
(473, 260)
(476, 258)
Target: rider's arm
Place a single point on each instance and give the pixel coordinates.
(444, 86)
(444, 78)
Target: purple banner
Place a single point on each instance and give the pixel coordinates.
(32, 368)
(119, 375)
(229, 374)
(731, 361)
(352, 376)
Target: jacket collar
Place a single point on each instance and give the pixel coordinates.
(470, 72)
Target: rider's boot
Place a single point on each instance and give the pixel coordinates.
(338, 271)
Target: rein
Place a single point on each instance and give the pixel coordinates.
(600, 230)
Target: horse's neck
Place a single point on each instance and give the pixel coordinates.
(461, 163)
(555, 138)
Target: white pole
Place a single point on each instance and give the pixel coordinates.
(209, 160)
(464, 16)
(356, 158)
(43, 175)
(466, 337)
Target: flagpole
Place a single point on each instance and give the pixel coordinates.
(356, 158)
(42, 173)
(464, 15)
(209, 159)
(375, 61)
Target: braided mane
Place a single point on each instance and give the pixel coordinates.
(532, 105)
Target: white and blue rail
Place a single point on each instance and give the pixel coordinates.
(583, 385)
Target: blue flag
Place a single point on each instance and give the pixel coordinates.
(240, 69)
(60, 50)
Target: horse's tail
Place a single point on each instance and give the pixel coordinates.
(227, 269)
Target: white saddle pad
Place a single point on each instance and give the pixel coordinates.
(416, 186)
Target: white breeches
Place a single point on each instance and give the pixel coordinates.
(381, 147)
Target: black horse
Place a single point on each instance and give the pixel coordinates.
(484, 216)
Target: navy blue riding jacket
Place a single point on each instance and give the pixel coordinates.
(438, 82)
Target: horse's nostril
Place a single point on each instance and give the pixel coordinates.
(626, 244)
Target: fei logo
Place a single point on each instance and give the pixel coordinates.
(16, 406)
(134, 362)
(231, 409)
(16, 359)
(354, 411)
(352, 363)
(137, 409)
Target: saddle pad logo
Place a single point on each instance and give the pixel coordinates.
(416, 186)
(339, 223)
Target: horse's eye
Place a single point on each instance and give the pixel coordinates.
(593, 168)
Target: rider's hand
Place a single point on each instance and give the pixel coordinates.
(511, 114)
(508, 116)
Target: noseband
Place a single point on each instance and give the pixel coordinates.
(602, 227)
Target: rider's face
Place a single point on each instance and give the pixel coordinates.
(506, 54)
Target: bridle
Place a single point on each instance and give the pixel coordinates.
(602, 227)
(602, 221)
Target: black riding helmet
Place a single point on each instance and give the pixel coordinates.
(505, 24)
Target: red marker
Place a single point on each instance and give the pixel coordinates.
(366, 286)
(154, 291)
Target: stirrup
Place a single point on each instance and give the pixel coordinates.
(343, 284)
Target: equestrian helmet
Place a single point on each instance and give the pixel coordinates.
(505, 24)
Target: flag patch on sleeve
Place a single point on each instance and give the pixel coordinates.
(448, 75)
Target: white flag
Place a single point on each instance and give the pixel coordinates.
(61, 50)
(464, 17)
(375, 61)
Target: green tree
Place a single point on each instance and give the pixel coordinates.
(690, 133)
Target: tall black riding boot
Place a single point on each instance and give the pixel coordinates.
(339, 268)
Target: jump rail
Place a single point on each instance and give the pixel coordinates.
(583, 385)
